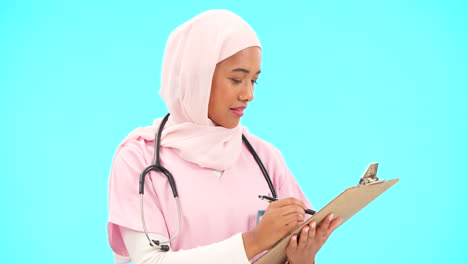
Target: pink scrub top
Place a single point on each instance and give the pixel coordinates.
(213, 207)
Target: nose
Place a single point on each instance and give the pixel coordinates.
(247, 93)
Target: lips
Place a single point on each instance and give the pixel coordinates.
(238, 111)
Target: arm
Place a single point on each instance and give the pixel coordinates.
(230, 250)
(301, 249)
(280, 218)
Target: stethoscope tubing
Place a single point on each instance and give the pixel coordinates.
(156, 166)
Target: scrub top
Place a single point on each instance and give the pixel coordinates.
(214, 206)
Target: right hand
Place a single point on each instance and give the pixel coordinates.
(280, 218)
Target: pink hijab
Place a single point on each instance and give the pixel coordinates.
(192, 52)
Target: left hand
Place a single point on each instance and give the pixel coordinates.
(312, 238)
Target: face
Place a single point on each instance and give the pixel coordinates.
(232, 87)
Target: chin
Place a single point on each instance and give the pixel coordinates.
(226, 123)
(230, 124)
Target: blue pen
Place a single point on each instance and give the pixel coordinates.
(271, 199)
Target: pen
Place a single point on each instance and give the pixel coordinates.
(271, 199)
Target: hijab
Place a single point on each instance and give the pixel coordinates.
(192, 52)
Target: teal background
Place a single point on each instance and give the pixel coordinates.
(343, 84)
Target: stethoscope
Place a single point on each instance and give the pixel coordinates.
(163, 245)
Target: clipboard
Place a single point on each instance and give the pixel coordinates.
(344, 206)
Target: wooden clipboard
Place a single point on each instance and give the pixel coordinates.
(344, 206)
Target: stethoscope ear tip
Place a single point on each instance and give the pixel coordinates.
(164, 247)
(161, 247)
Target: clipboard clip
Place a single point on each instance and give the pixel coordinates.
(370, 175)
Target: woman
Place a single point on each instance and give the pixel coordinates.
(209, 71)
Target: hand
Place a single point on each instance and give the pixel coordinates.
(280, 218)
(310, 241)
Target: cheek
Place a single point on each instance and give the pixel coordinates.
(222, 93)
(216, 98)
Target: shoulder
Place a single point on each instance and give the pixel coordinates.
(134, 151)
(263, 148)
(137, 142)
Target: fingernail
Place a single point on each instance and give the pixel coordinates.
(313, 225)
(306, 229)
(330, 217)
(294, 238)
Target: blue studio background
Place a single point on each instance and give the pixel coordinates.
(343, 84)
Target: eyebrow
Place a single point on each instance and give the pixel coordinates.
(243, 70)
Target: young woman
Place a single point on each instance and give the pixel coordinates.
(210, 68)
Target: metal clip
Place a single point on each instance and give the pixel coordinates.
(370, 176)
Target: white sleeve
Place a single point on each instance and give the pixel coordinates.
(230, 251)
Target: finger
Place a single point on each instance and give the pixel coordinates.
(324, 224)
(293, 225)
(312, 232)
(288, 201)
(322, 230)
(291, 218)
(291, 209)
(304, 237)
(285, 210)
(333, 225)
(293, 243)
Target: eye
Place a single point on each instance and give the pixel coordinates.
(236, 81)
(254, 81)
